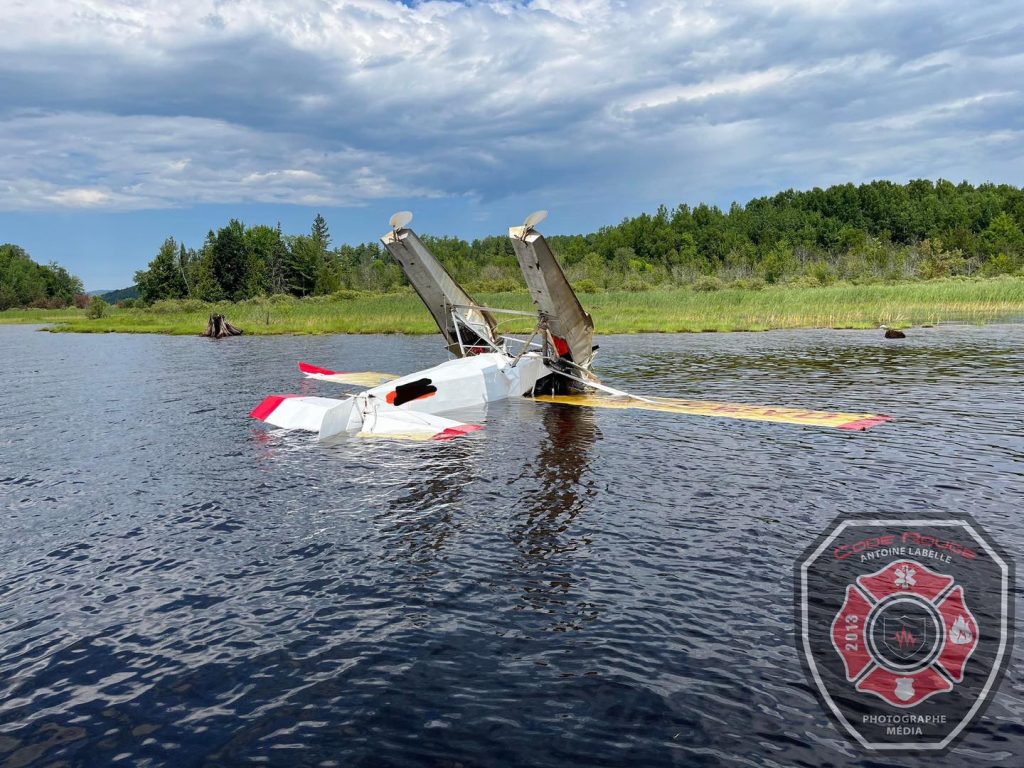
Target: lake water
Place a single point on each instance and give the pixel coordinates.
(180, 585)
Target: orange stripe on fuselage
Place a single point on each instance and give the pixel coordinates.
(394, 393)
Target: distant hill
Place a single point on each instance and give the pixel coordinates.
(112, 297)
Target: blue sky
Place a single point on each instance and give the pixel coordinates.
(123, 122)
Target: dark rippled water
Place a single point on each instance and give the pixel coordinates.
(180, 586)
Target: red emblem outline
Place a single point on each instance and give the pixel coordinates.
(870, 673)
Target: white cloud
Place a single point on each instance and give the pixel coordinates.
(289, 174)
(76, 197)
(150, 104)
(942, 112)
(737, 84)
(155, 162)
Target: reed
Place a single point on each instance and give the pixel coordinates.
(662, 311)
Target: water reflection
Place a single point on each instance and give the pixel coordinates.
(784, 358)
(426, 512)
(545, 532)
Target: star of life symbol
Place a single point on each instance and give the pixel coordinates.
(905, 577)
(904, 633)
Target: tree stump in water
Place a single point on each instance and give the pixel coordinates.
(218, 328)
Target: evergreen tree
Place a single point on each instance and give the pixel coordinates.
(327, 278)
(278, 263)
(328, 274)
(320, 234)
(229, 261)
(163, 279)
(304, 264)
(206, 286)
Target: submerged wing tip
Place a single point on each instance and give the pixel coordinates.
(866, 423)
(308, 368)
(452, 432)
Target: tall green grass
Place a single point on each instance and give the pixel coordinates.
(676, 310)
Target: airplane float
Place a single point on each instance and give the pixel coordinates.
(553, 364)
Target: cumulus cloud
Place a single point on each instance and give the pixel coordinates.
(145, 104)
(95, 160)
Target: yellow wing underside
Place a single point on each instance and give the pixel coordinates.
(837, 420)
(359, 379)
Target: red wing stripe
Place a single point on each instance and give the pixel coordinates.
(307, 368)
(268, 406)
(866, 423)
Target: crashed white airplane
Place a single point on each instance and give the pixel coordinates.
(553, 364)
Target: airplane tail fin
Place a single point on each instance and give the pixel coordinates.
(329, 416)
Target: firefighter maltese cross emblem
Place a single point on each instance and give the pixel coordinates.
(904, 633)
(905, 627)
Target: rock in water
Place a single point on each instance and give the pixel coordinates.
(218, 328)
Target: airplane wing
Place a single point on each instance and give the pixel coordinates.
(837, 420)
(359, 378)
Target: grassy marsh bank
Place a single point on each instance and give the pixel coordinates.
(675, 310)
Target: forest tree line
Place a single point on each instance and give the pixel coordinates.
(879, 231)
(24, 283)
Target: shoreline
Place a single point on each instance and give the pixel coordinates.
(951, 322)
(676, 310)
